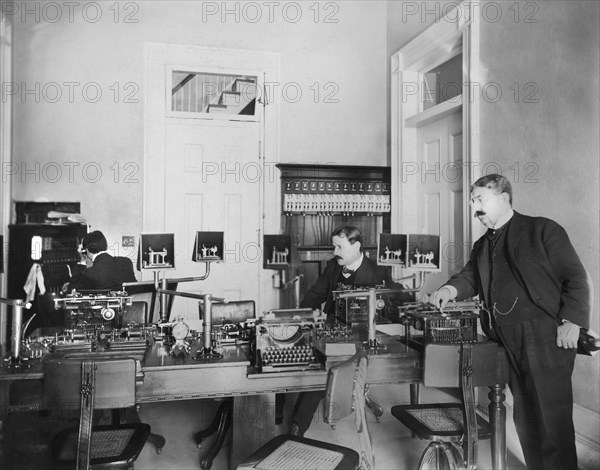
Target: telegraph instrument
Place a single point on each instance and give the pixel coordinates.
(93, 322)
(101, 310)
(284, 341)
(455, 323)
(234, 332)
(358, 306)
(353, 310)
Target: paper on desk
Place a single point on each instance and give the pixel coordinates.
(392, 329)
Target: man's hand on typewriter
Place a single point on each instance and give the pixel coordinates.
(442, 296)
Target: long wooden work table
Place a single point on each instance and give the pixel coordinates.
(166, 378)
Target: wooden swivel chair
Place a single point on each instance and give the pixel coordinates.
(222, 313)
(453, 428)
(87, 385)
(344, 396)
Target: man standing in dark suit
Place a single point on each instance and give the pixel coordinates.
(106, 272)
(537, 295)
(349, 267)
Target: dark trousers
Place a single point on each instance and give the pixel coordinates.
(540, 381)
(304, 409)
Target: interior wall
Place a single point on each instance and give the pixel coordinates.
(542, 130)
(405, 21)
(78, 77)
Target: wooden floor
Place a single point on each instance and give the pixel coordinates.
(25, 436)
(395, 449)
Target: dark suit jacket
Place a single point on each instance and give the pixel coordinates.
(367, 273)
(107, 272)
(541, 255)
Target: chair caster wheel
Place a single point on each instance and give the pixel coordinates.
(159, 450)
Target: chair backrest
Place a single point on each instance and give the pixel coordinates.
(63, 378)
(441, 365)
(465, 366)
(137, 312)
(344, 395)
(87, 385)
(230, 312)
(146, 292)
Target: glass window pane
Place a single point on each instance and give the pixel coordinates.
(442, 83)
(198, 92)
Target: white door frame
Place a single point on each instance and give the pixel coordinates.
(159, 58)
(6, 41)
(456, 32)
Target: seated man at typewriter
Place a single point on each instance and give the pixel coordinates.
(350, 267)
(106, 272)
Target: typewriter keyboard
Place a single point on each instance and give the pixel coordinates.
(291, 358)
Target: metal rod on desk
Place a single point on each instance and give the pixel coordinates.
(17, 325)
(416, 288)
(189, 295)
(207, 322)
(372, 310)
(164, 314)
(207, 351)
(192, 279)
(163, 291)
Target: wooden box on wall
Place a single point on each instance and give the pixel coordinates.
(57, 250)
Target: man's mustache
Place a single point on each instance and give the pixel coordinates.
(479, 214)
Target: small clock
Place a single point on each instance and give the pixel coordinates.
(181, 330)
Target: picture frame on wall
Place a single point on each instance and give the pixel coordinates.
(208, 247)
(157, 251)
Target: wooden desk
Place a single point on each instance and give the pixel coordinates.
(166, 378)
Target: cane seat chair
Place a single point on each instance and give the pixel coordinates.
(85, 385)
(453, 428)
(344, 396)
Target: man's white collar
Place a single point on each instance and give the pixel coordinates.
(504, 219)
(95, 255)
(354, 266)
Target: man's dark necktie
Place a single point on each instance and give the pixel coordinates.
(490, 234)
(347, 272)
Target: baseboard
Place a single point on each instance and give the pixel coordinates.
(587, 437)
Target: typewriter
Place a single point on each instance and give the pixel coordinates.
(284, 341)
(456, 323)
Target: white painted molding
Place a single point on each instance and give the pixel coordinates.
(457, 32)
(6, 76)
(587, 437)
(438, 111)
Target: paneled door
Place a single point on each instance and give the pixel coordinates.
(213, 184)
(209, 133)
(439, 195)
